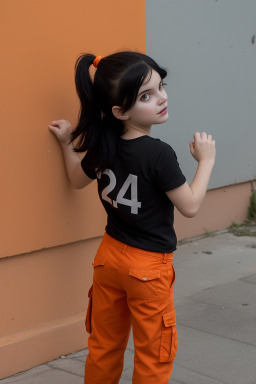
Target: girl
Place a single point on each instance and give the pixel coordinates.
(139, 183)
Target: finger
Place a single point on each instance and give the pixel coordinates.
(57, 122)
(53, 129)
(204, 135)
(197, 136)
(210, 137)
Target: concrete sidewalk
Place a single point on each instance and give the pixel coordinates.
(215, 297)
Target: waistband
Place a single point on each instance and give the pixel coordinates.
(125, 247)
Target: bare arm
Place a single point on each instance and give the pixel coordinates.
(188, 199)
(62, 130)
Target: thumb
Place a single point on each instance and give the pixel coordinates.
(192, 146)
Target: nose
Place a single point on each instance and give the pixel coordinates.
(163, 97)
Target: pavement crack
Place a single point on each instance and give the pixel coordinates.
(64, 370)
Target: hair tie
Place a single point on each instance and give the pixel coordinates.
(96, 61)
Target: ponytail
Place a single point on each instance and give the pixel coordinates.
(87, 129)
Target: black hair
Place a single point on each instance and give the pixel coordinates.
(117, 81)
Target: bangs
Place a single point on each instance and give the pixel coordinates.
(131, 82)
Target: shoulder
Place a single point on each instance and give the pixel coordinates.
(158, 144)
(158, 147)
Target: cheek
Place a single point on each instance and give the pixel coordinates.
(145, 109)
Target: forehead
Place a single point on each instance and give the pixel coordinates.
(151, 80)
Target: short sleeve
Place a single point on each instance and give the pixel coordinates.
(89, 171)
(168, 174)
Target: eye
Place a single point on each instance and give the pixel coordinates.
(145, 97)
(161, 85)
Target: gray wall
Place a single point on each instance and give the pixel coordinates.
(209, 50)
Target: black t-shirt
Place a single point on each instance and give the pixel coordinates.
(133, 194)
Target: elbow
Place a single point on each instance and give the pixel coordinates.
(80, 184)
(77, 186)
(190, 212)
(190, 215)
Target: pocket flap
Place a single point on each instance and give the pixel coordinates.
(145, 275)
(169, 318)
(99, 260)
(90, 291)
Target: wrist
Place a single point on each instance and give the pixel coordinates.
(66, 145)
(206, 162)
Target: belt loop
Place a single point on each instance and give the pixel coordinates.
(164, 259)
(124, 248)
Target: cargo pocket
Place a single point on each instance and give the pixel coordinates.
(169, 338)
(88, 319)
(145, 284)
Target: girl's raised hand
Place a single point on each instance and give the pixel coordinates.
(203, 147)
(62, 130)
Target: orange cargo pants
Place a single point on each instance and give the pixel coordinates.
(131, 287)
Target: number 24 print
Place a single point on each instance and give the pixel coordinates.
(120, 199)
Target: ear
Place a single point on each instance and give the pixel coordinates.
(118, 113)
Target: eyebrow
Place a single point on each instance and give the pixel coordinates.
(146, 90)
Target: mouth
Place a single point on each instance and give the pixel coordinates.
(163, 111)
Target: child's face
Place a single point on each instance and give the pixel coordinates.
(151, 104)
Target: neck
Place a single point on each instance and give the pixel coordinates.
(131, 131)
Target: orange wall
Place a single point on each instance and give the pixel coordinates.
(50, 230)
(42, 40)
(43, 298)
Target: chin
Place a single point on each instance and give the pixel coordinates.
(166, 117)
(163, 119)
